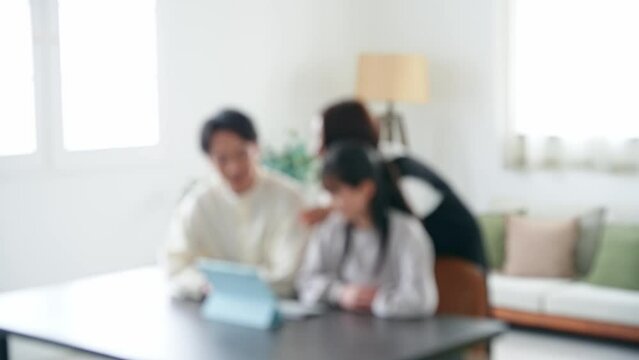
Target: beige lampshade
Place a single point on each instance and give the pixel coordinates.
(392, 77)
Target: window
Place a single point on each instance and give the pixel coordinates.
(17, 104)
(108, 74)
(85, 73)
(574, 81)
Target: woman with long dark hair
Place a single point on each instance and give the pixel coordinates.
(371, 253)
(443, 214)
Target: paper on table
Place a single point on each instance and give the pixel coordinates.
(295, 310)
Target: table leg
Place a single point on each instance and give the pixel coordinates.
(4, 346)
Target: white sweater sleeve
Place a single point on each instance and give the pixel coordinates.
(316, 281)
(285, 250)
(179, 256)
(409, 288)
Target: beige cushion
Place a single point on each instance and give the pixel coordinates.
(591, 225)
(541, 248)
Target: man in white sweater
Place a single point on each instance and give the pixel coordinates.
(249, 216)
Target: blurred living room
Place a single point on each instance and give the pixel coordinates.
(312, 179)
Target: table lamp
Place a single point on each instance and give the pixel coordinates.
(392, 78)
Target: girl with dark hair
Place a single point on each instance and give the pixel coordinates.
(443, 214)
(371, 254)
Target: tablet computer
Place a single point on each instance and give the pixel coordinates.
(240, 296)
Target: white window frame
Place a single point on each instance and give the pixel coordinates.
(50, 154)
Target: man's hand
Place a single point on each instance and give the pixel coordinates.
(357, 298)
(206, 289)
(314, 216)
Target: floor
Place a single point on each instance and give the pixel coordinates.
(520, 344)
(524, 344)
(21, 349)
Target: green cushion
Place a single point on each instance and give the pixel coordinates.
(617, 262)
(591, 228)
(493, 228)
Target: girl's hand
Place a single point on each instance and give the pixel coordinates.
(357, 298)
(314, 216)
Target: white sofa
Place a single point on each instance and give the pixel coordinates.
(565, 305)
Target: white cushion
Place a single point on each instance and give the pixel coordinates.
(598, 303)
(521, 293)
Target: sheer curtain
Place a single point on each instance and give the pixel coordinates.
(574, 84)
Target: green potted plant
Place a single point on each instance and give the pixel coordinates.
(294, 160)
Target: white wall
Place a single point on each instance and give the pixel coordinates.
(281, 60)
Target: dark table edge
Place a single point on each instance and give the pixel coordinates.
(4, 338)
(4, 334)
(464, 345)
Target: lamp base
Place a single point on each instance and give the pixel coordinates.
(392, 123)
